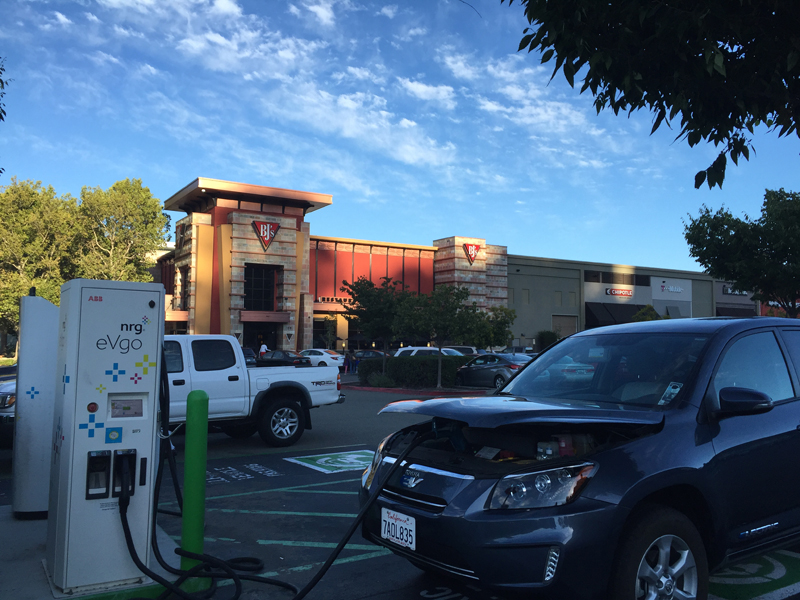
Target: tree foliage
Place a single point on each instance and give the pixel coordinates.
(647, 313)
(441, 316)
(761, 255)
(374, 308)
(39, 246)
(721, 67)
(122, 228)
(47, 240)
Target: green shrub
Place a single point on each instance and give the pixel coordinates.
(379, 380)
(369, 366)
(411, 371)
(546, 338)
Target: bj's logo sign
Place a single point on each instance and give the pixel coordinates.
(619, 292)
(471, 250)
(265, 232)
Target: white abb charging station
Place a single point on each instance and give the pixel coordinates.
(110, 336)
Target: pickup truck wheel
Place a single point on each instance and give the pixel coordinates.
(241, 431)
(281, 423)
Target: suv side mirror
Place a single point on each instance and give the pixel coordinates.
(735, 401)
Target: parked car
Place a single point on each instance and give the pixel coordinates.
(283, 358)
(490, 370)
(249, 356)
(425, 351)
(468, 350)
(276, 402)
(8, 397)
(362, 354)
(8, 372)
(518, 350)
(635, 484)
(321, 357)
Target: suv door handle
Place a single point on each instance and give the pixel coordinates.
(178, 382)
(233, 378)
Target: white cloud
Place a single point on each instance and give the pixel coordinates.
(101, 58)
(293, 10)
(459, 65)
(405, 123)
(390, 10)
(358, 74)
(147, 71)
(62, 20)
(323, 10)
(411, 34)
(127, 33)
(58, 20)
(443, 94)
(91, 17)
(227, 7)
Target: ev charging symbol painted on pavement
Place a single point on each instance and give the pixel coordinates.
(32, 392)
(91, 422)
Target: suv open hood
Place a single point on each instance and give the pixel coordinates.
(496, 411)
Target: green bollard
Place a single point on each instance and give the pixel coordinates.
(194, 476)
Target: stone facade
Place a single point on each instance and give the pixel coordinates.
(486, 276)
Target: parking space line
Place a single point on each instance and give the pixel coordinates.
(378, 553)
(282, 512)
(295, 488)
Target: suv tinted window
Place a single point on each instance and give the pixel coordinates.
(755, 362)
(173, 356)
(212, 355)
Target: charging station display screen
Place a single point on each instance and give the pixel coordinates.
(127, 408)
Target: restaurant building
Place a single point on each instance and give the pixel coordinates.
(245, 263)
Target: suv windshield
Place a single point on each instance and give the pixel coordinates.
(645, 370)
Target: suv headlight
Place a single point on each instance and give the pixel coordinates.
(7, 400)
(369, 473)
(539, 489)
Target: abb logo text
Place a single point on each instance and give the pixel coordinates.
(95, 299)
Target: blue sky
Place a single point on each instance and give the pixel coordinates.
(419, 117)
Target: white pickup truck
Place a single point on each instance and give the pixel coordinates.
(275, 401)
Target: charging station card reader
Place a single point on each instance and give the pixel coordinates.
(110, 336)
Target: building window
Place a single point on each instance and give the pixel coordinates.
(259, 287)
(184, 288)
(526, 296)
(591, 276)
(643, 280)
(573, 299)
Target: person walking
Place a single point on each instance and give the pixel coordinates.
(263, 350)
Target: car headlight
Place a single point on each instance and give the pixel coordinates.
(369, 473)
(7, 400)
(539, 489)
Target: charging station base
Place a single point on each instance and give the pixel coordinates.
(22, 554)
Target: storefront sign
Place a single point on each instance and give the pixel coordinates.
(729, 291)
(672, 289)
(619, 292)
(471, 250)
(265, 232)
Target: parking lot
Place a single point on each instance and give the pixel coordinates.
(290, 506)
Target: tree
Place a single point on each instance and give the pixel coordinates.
(3, 84)
(374, 308)
(123, 228)
(500, 320)
(39, 247)
(761, 255)
(724, 67)
(441, 316)
(648, 313)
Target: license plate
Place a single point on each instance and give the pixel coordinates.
(399, 528)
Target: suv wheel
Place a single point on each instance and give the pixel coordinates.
(281, 423)
(661, 556)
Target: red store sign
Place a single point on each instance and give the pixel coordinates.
(619, 292)
(471, 250)
(266, 232)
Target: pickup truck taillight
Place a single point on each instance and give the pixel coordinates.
(338, 381)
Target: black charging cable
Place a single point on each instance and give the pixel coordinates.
(212, 567)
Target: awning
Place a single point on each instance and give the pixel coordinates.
(597, 315)
(623, 313)
(729, 311)
(674, 312)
